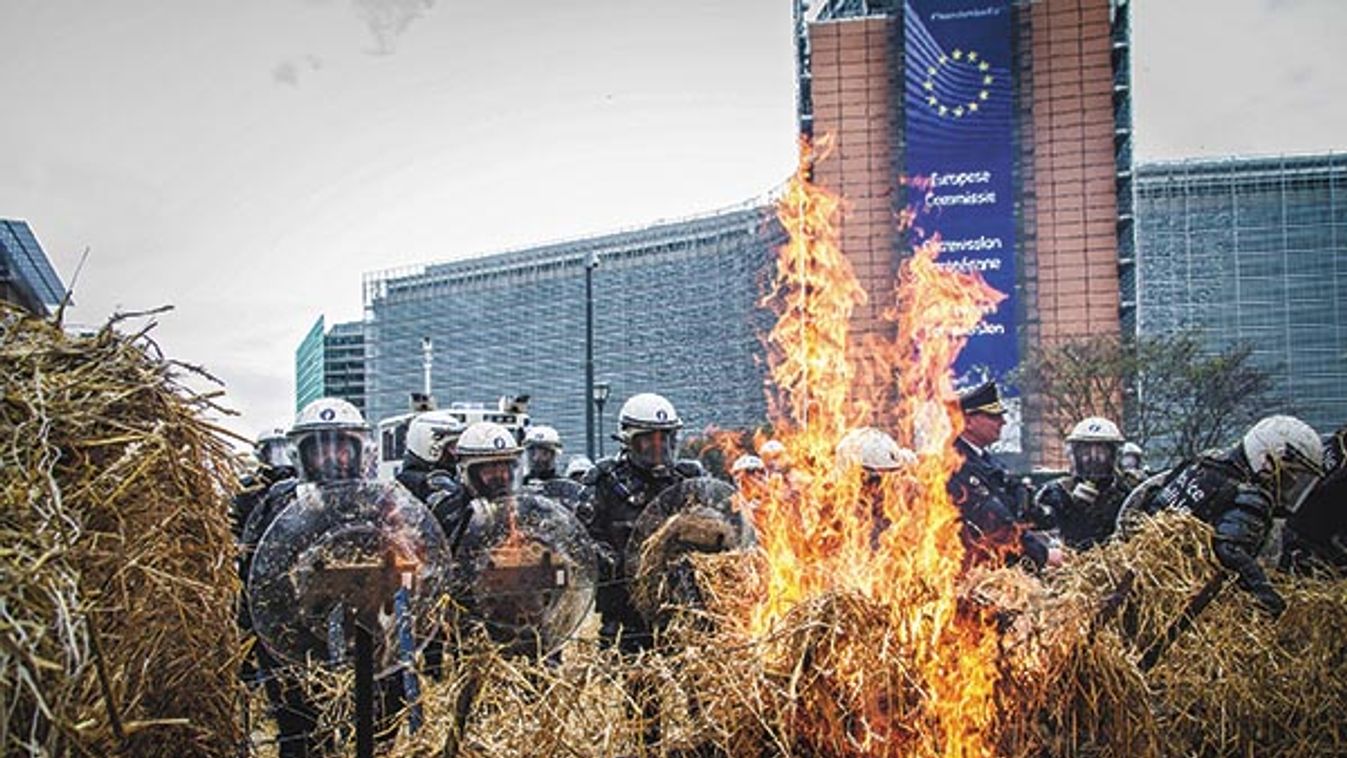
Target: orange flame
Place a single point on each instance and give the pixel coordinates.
(825, 529)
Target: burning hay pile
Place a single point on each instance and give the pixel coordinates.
(116, 575)
(857, 628)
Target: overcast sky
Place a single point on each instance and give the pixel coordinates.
(248, 160)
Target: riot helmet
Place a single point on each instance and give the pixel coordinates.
(577, 467)
(1286, 457)
(1130, 457)
(648, 429)
(1093, 446)
(542, 445)
(873, 450)
(330, 436)
(747, 464)
(273, 449)
(487, 456)
(433, 436)
(773, 454)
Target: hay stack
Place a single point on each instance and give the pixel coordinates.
(1071, 684)
(117, 582)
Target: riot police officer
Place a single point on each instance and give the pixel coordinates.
(617, 490)
(274, 464)
(542, 446)
(1315, 536)
(1083, 506)
(878, 456)
(1131, 460)
(577, 467)
(1238, 491)
(487, 456)
(330, 438)
(987, 496)
(431, 460)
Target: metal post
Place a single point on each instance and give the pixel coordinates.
(427, 357)
(590, 262)
(364, 691)
(600, 404)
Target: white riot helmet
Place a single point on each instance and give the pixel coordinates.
(873, 450)
(487, 456)
(747, 464)
(648, 428)
(431, 437)
(578, 466)
(330, 435)
(1130, 456)
(773, 454)
(1093, 446)
(542, 444)
(1286, 454)
(272, 449)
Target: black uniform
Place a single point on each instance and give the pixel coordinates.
(616, 491)
(988, 498)
(1315, 536)
(1081, 523)
(1220, 489)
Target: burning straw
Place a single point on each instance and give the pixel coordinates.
(852, 632)
(117, 586)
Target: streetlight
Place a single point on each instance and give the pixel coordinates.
(591, 262)
(600, 395)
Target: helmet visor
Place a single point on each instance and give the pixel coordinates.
(491, 479)
(1294, 483)
(274, 453)
(331, 456)
(542, 460)
(1093, 460)
(653, 449)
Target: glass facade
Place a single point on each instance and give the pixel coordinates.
(1253, 250)
(675, 312)
(344, 362)
(309, 367)
(26, 276)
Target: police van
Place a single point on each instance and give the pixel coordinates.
(510, 412)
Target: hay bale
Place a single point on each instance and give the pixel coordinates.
(117, 583)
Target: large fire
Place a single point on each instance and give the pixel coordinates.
(827, 532)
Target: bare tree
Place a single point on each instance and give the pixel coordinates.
(1172, 394)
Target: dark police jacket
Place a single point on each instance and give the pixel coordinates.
(616, 492)
(1219, 488)
(987, 497)
(1082, 524)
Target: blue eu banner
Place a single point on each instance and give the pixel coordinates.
(960, 145)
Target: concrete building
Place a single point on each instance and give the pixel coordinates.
(330, 362)
(27, 278)
(1253, 250)
(675, 312)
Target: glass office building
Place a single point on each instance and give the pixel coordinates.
(1253, 250)
(675, 312)
(309, 366)
(330, 362)
(27, 278)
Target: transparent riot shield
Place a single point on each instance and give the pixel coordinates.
(525, 571)
(565, 492)
(345, 553)
(692, 516)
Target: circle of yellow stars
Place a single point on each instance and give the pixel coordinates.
(958, 110)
